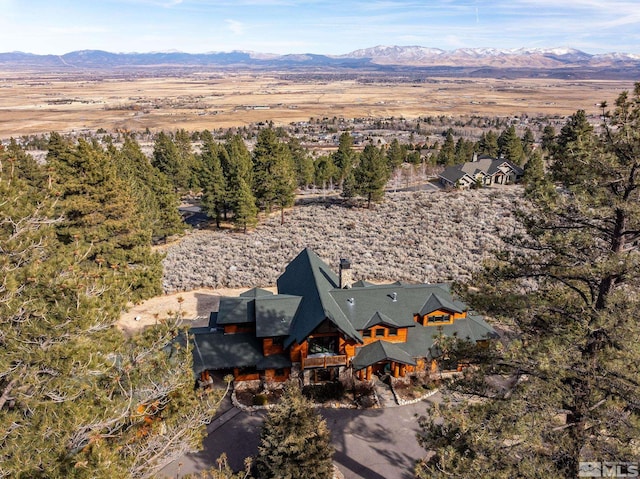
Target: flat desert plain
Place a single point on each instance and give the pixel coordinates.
(41, 102)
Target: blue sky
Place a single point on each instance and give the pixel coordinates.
(315, 26)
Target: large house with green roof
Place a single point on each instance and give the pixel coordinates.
(325, 326)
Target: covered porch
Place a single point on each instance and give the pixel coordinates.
(377, 356)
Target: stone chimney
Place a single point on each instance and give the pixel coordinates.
(346, 276)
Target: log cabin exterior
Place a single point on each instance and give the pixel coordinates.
(324, 327)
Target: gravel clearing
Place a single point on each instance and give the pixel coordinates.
(413, 237)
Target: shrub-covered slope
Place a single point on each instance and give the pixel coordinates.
(414, 237)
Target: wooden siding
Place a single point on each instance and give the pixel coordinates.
(298, 351)
(424, 320)
(270, 375)
(245, 377)
(237, 328)
(400, 337)
(269, 348)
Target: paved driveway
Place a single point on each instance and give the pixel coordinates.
(370, 444)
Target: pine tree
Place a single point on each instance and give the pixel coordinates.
(538, 185)
(326, 173)
(527, 141)
(488, 144)
(235, 160)
(101, 220)
(344, 158)
(190, 165)
(274, 178)
(371, 174)
(154, 195)
(396, 154)
(168, 159)
(303, 163)
(214, 190)
(244, 206)
(447, 153)
(295, 443)
(548, 138)
(510, 146)
(77, 398)
(565, 385)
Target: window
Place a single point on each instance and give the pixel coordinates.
(393, 331)
(323, 345)
(379, 332)
(277, 341)
(278, 373)
(440, 318)
(366, 333)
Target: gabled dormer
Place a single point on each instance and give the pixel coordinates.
(382, 327)
(439, 310)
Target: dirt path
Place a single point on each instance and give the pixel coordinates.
(194, 306)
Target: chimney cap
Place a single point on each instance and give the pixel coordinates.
(345, 263)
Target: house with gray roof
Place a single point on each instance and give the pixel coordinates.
(483, 169)
(324, 326)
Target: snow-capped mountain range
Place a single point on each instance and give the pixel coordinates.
(559, 62)
(511, 58)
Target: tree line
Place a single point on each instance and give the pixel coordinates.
(78, 398)
(562, 385)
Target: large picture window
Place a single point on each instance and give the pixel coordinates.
(323, 345)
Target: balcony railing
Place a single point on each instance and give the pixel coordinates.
(324, 361)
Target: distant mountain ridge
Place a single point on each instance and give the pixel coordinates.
(463, 61)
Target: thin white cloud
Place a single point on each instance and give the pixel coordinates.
(236, 27)
(77, 30)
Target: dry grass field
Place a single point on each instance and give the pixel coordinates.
(38, 102)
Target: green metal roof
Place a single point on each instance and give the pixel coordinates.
(379, 318)
(275, 313)
(438, 300)
(399, 302)
(216, 350)
(236, 310)
(422, 340)
(256, 293)
(311, 278)
(379, 351)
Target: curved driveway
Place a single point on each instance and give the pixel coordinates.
(369, 444)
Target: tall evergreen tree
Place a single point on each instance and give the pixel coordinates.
(214, 190)
(244, 207)
(527, 142)
(326, 173)
(510, 146)
(564, 386)
(295, 443)
(548, 138)
(447, 153)
(303, 163)
(344, 158)
(154, 194)
(235, 160)
(167, 158)
(190, 165)
(396, 154)
(274, 178)
(488, 144)
(100, 217)
(77, 398)
(371, 174)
